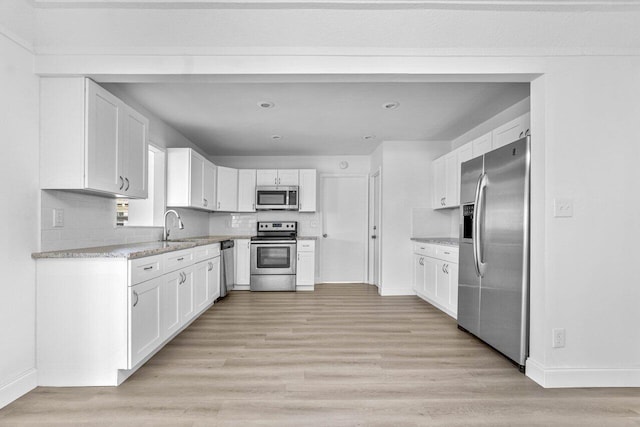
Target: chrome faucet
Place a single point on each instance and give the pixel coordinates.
(165, 232)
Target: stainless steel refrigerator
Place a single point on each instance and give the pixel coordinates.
(493, 291)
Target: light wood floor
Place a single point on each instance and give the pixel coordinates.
(340, 356)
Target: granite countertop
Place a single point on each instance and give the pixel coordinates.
(447, 241)
(135, 250)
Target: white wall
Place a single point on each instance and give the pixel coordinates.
(19, 171)
(406, 208)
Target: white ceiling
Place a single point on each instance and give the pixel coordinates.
(320, 118)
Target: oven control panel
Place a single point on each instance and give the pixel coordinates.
(278, 226)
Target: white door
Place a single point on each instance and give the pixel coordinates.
(227, 192)
(133, 152)
(266, 177)
(197, 180)
(213, 279)
(374, 230)
(246, 190)
(343, 248)
(307, 195)
(288, 177)
(200, 285)
(145, 328)
(209, 186)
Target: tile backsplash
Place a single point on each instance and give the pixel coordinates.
(309, 224)
(90, 221)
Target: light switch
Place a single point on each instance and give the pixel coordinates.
(58, 217)
(562, 208)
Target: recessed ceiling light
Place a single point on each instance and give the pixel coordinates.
(276, 137)
(266, 104)
(391, 105)
(369, 137)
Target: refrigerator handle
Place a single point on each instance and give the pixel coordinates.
(477, 220)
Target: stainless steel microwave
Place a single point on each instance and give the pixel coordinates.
(277, 198)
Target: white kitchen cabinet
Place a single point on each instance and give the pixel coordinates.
(511, 131)
(91, 140)
(445, 181)
(307, 191)
(227, 189)
(242, 257)
(213, 279)
(436, 276)
(306, 265)
(191, 180)
(246, 190)
(283, 177)
(145, 325)
(110, 315)
(482, 144)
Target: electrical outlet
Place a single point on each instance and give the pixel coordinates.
(58, 217)
(562, 208)
(559, 338)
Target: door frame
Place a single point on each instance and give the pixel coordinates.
(365, 219)
(373, 200)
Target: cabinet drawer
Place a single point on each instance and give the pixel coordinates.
(424, 249)
(178, 259)
(205, 252)
(143, 269)
(306, 245)
(447, 253)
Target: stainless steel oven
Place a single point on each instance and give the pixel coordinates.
(276, 198)
(273, 257)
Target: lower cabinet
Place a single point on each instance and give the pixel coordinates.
(242, 257)
(100, 319)
(435, 276)
(306, 265)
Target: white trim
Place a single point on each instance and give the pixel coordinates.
(17, 387)
(23, 43)
(570, 5)
(582, 377)
(386, 291)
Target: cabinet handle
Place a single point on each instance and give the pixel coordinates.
(135, 294)
(298, 257)
(444, 201)
(521, 134)
(527, 132)
(121, 183)
(218, 205)
(254, 206)
(127, 179)
(149, 268)
(210, 266)
(205, 202)
(180, 259)
(446, 253)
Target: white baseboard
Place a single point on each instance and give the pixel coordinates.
(241, 288)
(19, 386)
(582, 377)
(386, 291)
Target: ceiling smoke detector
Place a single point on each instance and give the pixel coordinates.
(391, 105)
(266, 104)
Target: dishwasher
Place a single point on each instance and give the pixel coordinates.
(227, 278)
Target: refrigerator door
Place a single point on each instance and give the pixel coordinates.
(504, 242)
(468, 280)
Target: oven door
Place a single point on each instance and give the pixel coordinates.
(273, 258)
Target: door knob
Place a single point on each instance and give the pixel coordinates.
(374, 237)
(324, 235)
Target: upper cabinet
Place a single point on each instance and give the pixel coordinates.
(246, 190)
(91, 140)
(227, 189)
(285, 177)
(191, 180)
(307, 190)
(446, 169)
(511, 131)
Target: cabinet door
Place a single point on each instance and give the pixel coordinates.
(200, 300)
(213, 279)
(266, 177)
(430, 276)
(305, 268)
(209, 186)
(418, 273)
(439, 183)
(246, 190)
(510, 131)
(482, 145)
(242, 254)
(196, 191)
(307, 195)
(185, 299)
(104, 130)
(227, 189)
(171, 303)
(443, 285)
(451, 179)
(452, 269)
(145, 327)
(134, 152)
(288, 177)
